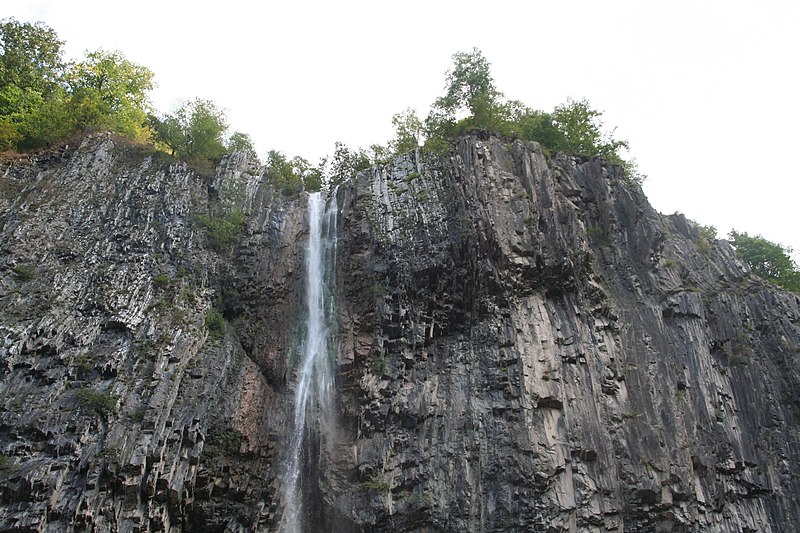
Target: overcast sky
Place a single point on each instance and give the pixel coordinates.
(706, 92)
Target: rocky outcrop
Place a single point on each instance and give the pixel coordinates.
(534, 348)
(128, 403)
(524, 344)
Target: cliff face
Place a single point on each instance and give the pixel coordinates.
(524, 344)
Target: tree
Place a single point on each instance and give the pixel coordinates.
(582, 131)
(30, 57)
(346, 163)
(533, 125)
(292, 176)
(242, 142)
(469, 86)
(409, 131)
(469, 93)
(309, 175)
(194, 131)
(767, 259)
(43, 100)
(110, 92)
(31, 85)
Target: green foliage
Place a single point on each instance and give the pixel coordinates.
(375, 483)
(469, 89)
(161, 281)
(98, 402)
(24, 273)
(707, 237)
(346, 163)
(581, 131)
(215, 324)
(767, 259)
(31, 77)
(709, 233)
(109, 92)
(43, 100)
(409, 131)
(30, 57)
(193, 131)
(472, 103)
(703, 245)
(309, 175)
(532, 125)
(45, 123)
(241, 142)
(223, 441)
(223, 230)
(7, 464)
(295, 175)
(380, 365)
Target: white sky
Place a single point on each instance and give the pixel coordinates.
(706, 92)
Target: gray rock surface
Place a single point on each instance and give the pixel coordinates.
(524, 345)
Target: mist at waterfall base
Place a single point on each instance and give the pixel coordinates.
(314, 412)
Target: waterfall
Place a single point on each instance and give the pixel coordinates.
(314, 393)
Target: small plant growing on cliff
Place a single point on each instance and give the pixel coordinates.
(98, 402)
(25, 273)
(7, 464)
(597, 235)
(223, 231)
(709, 233)
(703, 245)
(84, 365)
(215, 324)
(223, 441)
(380, 365)
(379, 290)
(375, 483)
(161, 281)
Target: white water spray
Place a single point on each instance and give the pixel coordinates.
(314, 393)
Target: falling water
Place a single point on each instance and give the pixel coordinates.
(314, 393)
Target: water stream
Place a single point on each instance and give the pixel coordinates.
(314, 395)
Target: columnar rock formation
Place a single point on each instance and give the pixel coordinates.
(524, 344)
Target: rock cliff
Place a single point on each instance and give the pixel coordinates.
(523, 344)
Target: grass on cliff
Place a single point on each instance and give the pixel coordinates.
(223, 231)
(25, 273)
(215, 324)
(222, 441)
(97, 402)
(7, 464)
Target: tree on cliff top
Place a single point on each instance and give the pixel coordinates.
(31, 73)
(107, 91)
(472, 103)
(30, 57)
(42, 99)
(767, 259)
(471, 100)
(194, 131)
